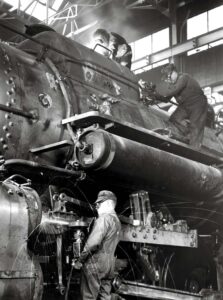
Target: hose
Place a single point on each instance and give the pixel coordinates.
(68, 283)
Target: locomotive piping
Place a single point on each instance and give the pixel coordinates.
(27, 163)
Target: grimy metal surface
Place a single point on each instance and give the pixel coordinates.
(20, 274)
(52, 81)
(142, 166)
(152, 292)
(153, 236)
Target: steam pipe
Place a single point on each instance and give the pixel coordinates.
(13, 163)
(141, 166)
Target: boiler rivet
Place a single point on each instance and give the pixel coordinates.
(5, 147)
(2, 140)
(10, 192)
(9, 93)
(7, 116)
(8, 70)
(8, 135)
(8, 104)
(13, 100)
(11, 124)
(5, 128)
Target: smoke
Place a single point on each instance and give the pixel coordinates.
(114, 17)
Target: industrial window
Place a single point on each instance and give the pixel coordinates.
(215, 19)
(142, 48)
(160, 40)
(35, 8)
(203, 23)
(197, 25)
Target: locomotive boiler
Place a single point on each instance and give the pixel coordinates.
(71, 124)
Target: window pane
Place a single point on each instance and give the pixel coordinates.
(56, 4)
(217, 43)
(142, 47)
(197, 25)
(194, 51)
(139, 64)
(160, 40)
(38, 11)
(215, 19)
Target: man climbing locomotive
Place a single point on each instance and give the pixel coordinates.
(190, 116)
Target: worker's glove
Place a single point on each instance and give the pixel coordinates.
(76, 264)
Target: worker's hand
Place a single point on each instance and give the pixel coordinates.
(77, 264)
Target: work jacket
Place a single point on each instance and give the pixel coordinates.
(186, 90)
(98, 252)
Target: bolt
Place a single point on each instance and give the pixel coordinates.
(192, 244)
(154, 237)
(10, 191)
(154, 231)
(9, 93)
(7, 273)
(10, 80)
(148, 230)
(134, 234)
(8, 70)
(145, 236)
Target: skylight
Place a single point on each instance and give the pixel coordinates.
(36, 8)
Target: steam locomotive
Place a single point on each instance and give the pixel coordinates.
(72, 123)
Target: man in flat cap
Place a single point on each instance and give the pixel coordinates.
(97, 256)
(192, 104)
(120, 50)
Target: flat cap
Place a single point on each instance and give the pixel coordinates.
(105, 195)
(167, 69)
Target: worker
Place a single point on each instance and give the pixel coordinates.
(101, 37)
(121, 51)
(192, 104)
(117, 47)
(97, 256)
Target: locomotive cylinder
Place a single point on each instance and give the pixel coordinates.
(142, 166)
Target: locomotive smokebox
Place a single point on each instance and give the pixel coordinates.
(140, 166)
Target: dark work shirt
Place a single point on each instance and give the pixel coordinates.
(104, 236)
(185, 90)
(122, 52)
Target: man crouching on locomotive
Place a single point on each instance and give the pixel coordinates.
(192, 104)
(97, 256)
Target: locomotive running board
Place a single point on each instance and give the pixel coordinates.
(154, 292)
(143, 135)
